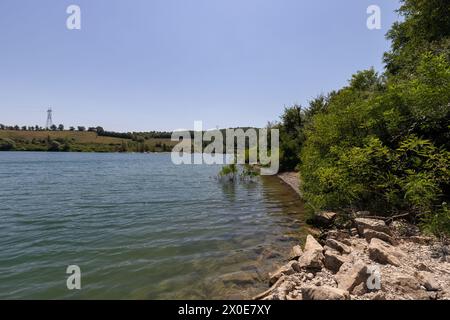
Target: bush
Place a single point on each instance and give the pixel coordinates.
(7, 144)
(54, 146)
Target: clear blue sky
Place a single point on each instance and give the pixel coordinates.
(141, 65)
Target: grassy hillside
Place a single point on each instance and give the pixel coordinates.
(76, 141)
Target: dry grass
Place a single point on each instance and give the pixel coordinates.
(84, 138)
(76, 136)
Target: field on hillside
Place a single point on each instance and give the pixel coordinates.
(77, 136)
(79, 141)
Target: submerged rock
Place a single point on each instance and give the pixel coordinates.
(239, 278)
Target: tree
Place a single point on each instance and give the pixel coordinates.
(72, 128)
(426, 27)
(53, 127)
(100, 130)
(54, 146)
(81, 128)
(61, 127)
(124, 146)
(291, 137)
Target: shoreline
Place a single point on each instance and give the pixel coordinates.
(368, 261)
(292, 179)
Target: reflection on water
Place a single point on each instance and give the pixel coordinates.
(139, 227)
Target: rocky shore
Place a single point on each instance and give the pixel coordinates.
(368, 260)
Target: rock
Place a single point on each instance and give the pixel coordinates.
(312, 257)
(312, 244)
(324, 293)
(296, 252)
(370, 234)
(239, 278)
(421, 240)
(350, 275)
(428, 281)
(269, 294)
(409, 288)
(422, 267)
(360, 289)
(384, 253)
(379, 296)
(268, 254)
(324, 219)
(362, 214)
(433, 295)
(309, 276)
(371, 224)
(338, 246)
(403, 228)
(284, 270)
(284, 289)
(333, 261)
(341, 236)
(311, 260)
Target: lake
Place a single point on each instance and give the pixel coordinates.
(139, 227)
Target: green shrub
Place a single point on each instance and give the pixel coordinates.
(7, 144)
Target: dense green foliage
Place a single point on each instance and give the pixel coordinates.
(291, 137)
(382, 142)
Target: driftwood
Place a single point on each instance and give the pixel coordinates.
(389, 218)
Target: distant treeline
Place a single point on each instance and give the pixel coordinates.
(136, 136)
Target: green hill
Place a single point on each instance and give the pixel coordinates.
(77, 141)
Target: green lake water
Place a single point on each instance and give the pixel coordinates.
(139, 227)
